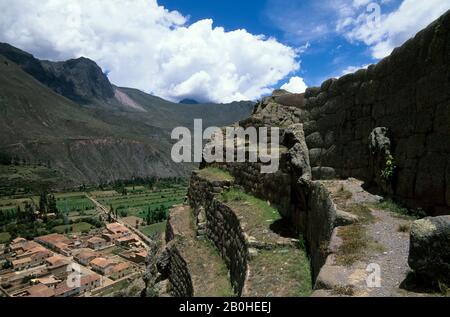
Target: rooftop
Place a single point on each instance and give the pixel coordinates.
(54, 238)
(101, 262)
(121, 267)
(96, 240)
(40, 290)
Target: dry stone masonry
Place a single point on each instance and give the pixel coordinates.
(385, 128)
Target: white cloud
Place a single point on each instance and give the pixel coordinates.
(295, 85)
(353, 69)
(145, 46)
(395, 27)
(319, 20)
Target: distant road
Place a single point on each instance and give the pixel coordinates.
(142, 237)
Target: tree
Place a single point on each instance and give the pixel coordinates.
(149, 217)
(52, 207)
(29, 212)
(43, 202)
(111, 213)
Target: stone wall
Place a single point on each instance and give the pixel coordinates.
(270, 187)
(221, 226)
(319, 222)
(408, 93)
(176, 271)
(224, 230)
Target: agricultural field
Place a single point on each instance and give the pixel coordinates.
(81, 227)
(73, 203)
(154, 229)
(76, 213)
(11, 204)
(138, 204)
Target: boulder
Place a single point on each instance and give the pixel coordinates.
(323, 173)
(429, 253)
(314, 140)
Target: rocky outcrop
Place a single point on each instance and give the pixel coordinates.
(429, 253)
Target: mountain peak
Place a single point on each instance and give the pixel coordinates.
(188, 101)
(80, 80)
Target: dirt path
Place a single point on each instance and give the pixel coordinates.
(209, 273)
(383, 246)
(105, 211)
(393, 260)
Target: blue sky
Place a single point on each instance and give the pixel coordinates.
(330, 53)
(327, 56)
(217, 50)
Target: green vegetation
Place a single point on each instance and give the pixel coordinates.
(348, 290)
(389, 170)
(392, 206)
(355, 244)
(154, 229)
(215, 174)
(4, 237)
(26, 179)
(363, 212)
(81, 227)
(266, 212)
(404, 228)
(286, 272)
(71, 204)
(151, 204)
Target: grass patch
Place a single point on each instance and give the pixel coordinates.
(67, 204)
(343, 290)
(80, 227)
(404, 228)
(215, 174)
(266, 211)
(4, 237)
(400, 211)
(355, 244)
(284, 272)
(363, 212)
(155, 229)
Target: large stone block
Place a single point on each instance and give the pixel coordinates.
(442, 118)
(430, 182)
(447, 183)
(429, 253)
(315, 156)
(314, 140)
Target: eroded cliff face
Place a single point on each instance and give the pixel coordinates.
(99, 160)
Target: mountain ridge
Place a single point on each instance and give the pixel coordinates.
(90, 131)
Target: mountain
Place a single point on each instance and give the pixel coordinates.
(189, 102)
(68, 115)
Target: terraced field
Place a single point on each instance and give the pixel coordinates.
(141, 200)
(73, 202)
